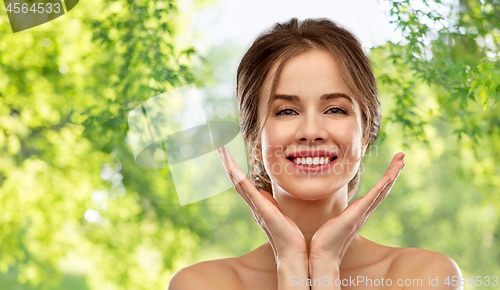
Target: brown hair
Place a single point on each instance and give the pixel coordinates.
(280, 44)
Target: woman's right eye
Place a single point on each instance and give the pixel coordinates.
(286, 112)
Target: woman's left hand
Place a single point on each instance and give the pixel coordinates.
(331, 240)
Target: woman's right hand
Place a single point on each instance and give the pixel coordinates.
(285, 237)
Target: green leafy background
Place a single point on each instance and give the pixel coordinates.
(67, 86)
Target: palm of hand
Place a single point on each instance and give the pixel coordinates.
(286, 228)
(328, 241)
(332, 239)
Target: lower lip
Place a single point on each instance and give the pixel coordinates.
(313, 169)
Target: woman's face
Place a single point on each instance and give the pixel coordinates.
(312, 120)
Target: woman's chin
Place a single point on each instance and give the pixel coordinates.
(311, 189)
(311, 195)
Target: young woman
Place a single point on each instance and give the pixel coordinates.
(308, 109)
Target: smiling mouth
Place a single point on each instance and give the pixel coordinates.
(312, 161)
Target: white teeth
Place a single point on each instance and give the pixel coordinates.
(312, 160)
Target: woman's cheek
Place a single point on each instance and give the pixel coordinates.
(352, 141)
(350, 145)
(274, 140)
(273, 154)
(356, 148)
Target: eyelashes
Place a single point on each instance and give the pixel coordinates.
(288, 111)
(338, 110)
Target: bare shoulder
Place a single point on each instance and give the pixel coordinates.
(428, 266)
(254, 270)
(215, 274)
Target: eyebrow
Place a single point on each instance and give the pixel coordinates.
(324, 97)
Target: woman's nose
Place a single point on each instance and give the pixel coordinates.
(311, 130)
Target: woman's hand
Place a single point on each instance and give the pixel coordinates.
(331, 240)
(285, 237)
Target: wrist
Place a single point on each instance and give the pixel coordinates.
(324, 260)
(292, 276)
(322, 267)
(288, 264)
(293, 266)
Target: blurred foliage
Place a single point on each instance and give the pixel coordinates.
(457, 53)
(439, 88)
(66, 88)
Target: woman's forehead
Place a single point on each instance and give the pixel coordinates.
(307, 77)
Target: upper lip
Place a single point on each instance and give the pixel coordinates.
(311, 153)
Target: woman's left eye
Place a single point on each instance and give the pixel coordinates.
(337, 110)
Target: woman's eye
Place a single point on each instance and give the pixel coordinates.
(286, 112)
(337, 110)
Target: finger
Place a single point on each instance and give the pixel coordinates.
(379, 199)
(400, 156)
(388, 187)
(246, 189)
(226, 161)
(264, 228)
(364, 218)
(361, 208)
(384, 192)
(239, 178)
(231, 166)
(391, 173)
(244, 195)
(259, 220)
(364, 203)
(262, 205)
